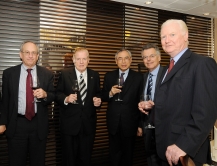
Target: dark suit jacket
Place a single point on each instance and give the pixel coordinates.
(126, 113)
(73, 116)
(186, 107)
(10, 89)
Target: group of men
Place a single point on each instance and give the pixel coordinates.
(175, 121)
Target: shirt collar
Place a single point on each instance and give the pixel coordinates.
(178, 56)
(78, 73)
(126, 71)
(155, 71)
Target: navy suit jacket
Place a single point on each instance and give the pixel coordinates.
(186, 107)
(10, 89)
(73, 116)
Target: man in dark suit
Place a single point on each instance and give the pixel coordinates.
(122, 116)
(151, 58)
(78, 121)
(185, 106)
(26, 132)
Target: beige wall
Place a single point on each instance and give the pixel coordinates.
(215, 39)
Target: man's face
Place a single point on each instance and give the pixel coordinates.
(29, 54)
(173, 38)
(123, 60)
(151, 59)
(81, 60)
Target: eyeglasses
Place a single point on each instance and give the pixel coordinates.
(27, 53)
(150, 56)
(123, 59)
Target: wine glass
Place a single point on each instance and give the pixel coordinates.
(35, 84)
(75, 88)
(147, 98)
(120, 86)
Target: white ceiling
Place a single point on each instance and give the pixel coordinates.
(194, 7)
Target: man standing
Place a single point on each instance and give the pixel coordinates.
(78, 121)
(151, 58)
(185, 106)
(24, 119)
(122, 116)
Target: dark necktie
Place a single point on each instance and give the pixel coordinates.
(171, 65)
(122, 78)
(30, 110)
(83, 89)
(150, 84)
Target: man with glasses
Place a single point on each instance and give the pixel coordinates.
(151, 58)
(122, 114)
(24, 120)
(78, 111)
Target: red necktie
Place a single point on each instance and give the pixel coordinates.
(30, 110)
(170, 66)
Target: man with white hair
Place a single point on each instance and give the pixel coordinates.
(185, 106)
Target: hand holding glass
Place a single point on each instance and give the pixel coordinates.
(147, 98)
(75, 88)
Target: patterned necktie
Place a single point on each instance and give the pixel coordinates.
(171, 65)
(30, 110)
(122, 78)
(150, 84)
(83, 89)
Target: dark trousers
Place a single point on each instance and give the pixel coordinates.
(121, 149)
(25, 141)
(150, 148)
(77, 149)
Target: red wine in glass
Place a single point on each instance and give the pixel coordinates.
(35, 84)
(75, 88)
(120, 86)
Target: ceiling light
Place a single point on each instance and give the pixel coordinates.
(205, 14)
(148, 2)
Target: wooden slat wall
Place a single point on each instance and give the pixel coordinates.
(103, 27)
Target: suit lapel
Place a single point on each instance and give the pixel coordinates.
(145, 80)
(16, 81)
(127, 84)
(182, 61)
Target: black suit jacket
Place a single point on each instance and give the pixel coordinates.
(73, 116)
(126, 113)
(10, 90)
(186, 107)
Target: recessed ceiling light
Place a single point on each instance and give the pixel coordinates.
(148, 2)
(205, 14)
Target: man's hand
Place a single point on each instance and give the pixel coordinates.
(71, 98)
(2, 129)
(173, 153)
(145, 106)
(139, 132)
(114, 90)
(97, 101)
(39, 93)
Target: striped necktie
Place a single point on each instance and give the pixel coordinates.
(83, 89)
(150, 84)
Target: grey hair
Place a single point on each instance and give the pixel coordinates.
(28, 41)
(151, 45)
(121, 50)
